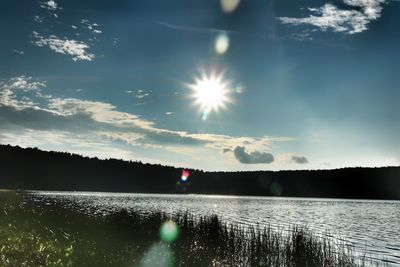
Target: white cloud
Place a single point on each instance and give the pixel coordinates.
(78, 49)
(92, 27)
(19, 52)
(24, 105)
(74, 48)
(139, 94)
(352, 20)
(50, 5)
(372, 8)
(132, 129)
(24, 83)
(10, 92)
(115, 41)
(38, 19)
(83, 144)
(98, 111)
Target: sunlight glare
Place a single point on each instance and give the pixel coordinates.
(210, 92)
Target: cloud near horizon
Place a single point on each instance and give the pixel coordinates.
(254, 157)
(24, 105)
(299, 159)
(354, 19)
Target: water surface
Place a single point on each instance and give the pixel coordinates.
(372, 226)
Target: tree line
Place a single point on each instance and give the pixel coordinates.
(33, 169)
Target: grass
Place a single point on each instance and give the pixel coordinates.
(35, 234)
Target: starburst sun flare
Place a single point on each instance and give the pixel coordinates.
(210, 92)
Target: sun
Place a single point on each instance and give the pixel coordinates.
(210, 92)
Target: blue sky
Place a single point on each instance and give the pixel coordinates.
(308, 84)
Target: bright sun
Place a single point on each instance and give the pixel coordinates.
(210, 93)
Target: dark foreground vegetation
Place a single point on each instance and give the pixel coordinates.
(52, 235)
(39, 170)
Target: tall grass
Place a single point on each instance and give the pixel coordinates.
(52, 235)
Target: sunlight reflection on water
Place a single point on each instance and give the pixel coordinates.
(371, 226)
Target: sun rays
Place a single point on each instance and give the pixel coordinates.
(211, 92)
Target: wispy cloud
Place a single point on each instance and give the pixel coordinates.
(50, 5)
(19, 52)
(206, 30)
(24, 83)
(142, 94)
(11, 92)
(92, 27)
(80, 143)
(24, 105)
(78, 49)
(115, 41)
(354, 19)
(74, 48)
(38, 19)
(292, 158)
(139, 94)
(187, 29)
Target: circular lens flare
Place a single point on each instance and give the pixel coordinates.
(185, 175)
(221, 44)
(210, 92)
(229, 6)
(169, 231)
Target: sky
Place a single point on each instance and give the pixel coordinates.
(215, 85)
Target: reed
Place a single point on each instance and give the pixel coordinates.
(53, 235)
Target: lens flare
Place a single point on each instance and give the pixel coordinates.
(210, 92)
(158, 254)
(185, 175)
(169, 231)
(221, 44)
(229, 6)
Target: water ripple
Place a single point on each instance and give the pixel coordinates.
(373, 227)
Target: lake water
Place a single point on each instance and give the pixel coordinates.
(371, 226)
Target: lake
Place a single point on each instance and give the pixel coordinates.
(372, 226)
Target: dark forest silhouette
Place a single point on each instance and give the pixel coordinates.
(33, 169)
